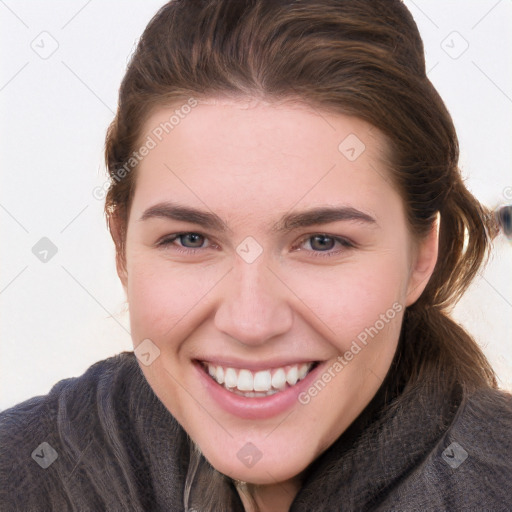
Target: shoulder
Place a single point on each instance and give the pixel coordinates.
(76, 393)
(43, 439)
(470, 467)
(483, 429)
(493, 406)
(474, 459)
(484, 424)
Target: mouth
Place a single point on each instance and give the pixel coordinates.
(257, 384)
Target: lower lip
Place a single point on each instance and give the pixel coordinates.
(255, 407)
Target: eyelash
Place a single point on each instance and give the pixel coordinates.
(345, 243)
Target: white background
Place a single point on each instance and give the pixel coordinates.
(59, 317)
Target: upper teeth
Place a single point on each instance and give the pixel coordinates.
(264, 381)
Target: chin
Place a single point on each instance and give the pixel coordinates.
(261, 470)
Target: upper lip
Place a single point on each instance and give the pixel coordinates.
(255, 365)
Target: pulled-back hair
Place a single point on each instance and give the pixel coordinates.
(363, 58)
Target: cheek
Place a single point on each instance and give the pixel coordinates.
(348, 299)
(161, 295)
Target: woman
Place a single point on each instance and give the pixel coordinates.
(291, 231)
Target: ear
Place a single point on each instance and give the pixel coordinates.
(117, 227)
(423, 262)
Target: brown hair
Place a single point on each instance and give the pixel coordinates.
(358, 57)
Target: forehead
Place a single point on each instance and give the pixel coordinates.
(252, 155)
(287, 129)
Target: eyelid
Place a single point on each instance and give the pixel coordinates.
(345, 242)
(168, 239)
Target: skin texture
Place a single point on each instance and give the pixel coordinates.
(250, 162)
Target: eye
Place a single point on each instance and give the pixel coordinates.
(190, 242)
(321, 244)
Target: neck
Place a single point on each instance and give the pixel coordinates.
(276, 497)
(279, 496)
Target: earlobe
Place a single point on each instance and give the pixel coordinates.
(423, 263)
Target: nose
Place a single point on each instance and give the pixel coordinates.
(254, 307)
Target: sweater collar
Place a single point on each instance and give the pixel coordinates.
(392, 435)
(396, 430)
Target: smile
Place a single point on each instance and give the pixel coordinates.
(261, 383)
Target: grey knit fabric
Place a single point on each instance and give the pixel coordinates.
(118, 449)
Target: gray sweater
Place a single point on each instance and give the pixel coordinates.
(104, 442)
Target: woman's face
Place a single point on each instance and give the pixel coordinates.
(264, 241)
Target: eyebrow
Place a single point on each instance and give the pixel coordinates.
(289, 222)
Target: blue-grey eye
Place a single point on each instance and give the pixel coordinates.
(196, 240)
